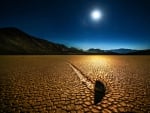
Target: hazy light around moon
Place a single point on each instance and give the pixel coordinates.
(96, 15)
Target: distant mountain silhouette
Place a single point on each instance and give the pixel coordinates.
(122, 51)
(100, 52)
(15, 41)
(92, 50)
(140, 52)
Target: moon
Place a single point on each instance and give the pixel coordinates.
(96, 15)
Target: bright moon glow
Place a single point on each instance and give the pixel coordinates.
(96, 15)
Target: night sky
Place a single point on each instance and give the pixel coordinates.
(124, 23)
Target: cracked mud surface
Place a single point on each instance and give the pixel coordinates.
(48, 84)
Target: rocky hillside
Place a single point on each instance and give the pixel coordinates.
(15, 41)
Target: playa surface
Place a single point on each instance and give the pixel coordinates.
(67, 83)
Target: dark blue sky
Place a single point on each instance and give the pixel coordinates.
(124, 24)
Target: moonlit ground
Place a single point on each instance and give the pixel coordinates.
(49, 84)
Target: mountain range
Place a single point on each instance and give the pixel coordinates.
(122, 51)
(15, 41)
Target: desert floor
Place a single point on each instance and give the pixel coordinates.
(67, 83)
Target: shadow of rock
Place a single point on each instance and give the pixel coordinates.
(99, 92)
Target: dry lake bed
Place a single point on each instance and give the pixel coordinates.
(75, 84)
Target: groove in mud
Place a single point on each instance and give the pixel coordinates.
(83, 79)
(98, 89)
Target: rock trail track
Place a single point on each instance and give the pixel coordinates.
(83, 78)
